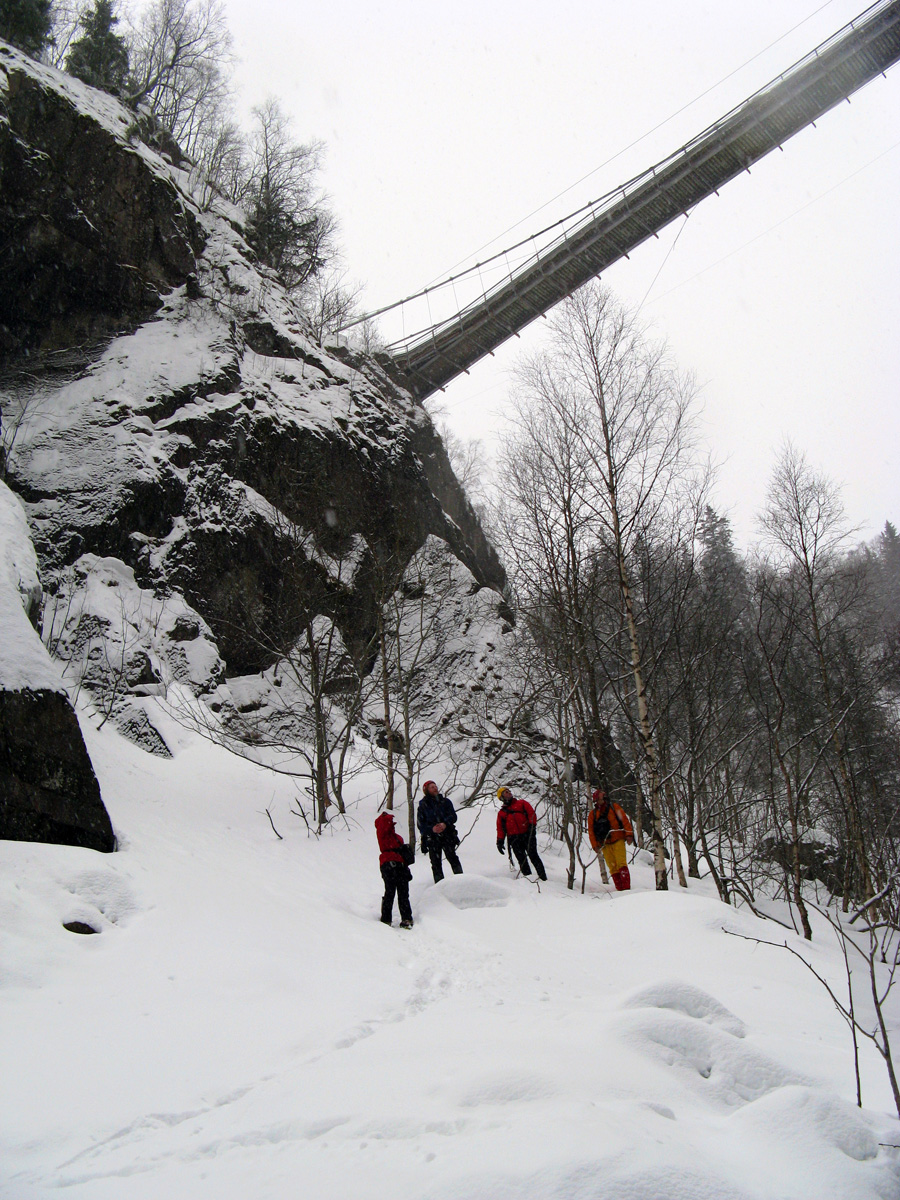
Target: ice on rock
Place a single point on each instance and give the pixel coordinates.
(24, 662)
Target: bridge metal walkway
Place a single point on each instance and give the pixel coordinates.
(613, 227)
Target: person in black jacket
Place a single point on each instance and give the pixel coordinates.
(436, 822)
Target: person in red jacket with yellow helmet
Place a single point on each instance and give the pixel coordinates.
(517, 821)
(610, 831)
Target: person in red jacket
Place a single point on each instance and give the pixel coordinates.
(394, 871)
(516, 821)
(610, 830)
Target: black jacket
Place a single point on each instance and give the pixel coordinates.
(431, 811)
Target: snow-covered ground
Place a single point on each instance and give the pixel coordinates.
(243, 1026)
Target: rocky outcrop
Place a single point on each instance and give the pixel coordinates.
(215, 449)
(92, 232)
(48, 789)
(124, 643)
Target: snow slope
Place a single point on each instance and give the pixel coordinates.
(243, 1026)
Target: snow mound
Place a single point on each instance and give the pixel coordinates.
(99, 897)
(473, 891)
(725, 1072)
(809, 1122)
(689, 1000)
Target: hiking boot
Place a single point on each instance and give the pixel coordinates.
(407, 923)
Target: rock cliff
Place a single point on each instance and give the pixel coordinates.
(92, 230)
(210, 443)
(179, 439)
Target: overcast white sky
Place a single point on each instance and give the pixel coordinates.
(446, 124)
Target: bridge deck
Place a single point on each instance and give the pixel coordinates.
(645, 205)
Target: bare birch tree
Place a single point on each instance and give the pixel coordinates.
(805, 526)
(607, 459)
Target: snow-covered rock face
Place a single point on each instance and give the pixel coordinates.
(123, 643)
(215, 449)
(91, 233)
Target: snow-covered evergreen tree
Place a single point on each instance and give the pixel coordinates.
(100, 56)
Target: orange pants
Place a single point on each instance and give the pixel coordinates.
(616, 855)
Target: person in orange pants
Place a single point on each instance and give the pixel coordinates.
(610, 832)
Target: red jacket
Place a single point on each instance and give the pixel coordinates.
(389, 840)
(516, 817)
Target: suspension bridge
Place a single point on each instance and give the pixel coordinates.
(610, 228)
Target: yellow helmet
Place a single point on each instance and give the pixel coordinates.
(501, 790)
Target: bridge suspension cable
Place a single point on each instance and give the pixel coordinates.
(631, 145)
(582, 244)
(454, 276)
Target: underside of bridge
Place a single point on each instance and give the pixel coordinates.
(646, 204)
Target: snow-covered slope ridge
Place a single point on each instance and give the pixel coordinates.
(214, 447)
(244, 1026)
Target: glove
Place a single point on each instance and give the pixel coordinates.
(500, 846)
(424, 846)
(630, 840)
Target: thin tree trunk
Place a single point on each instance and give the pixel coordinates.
(676, 844)
(649, 749)
(838, 740)
(693, 818)
(795, 843)
(721, 886)
(386, 702)
(320, 770)
(639, 792)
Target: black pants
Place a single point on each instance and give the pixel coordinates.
(396, 878)
(439, 844)
(524, 846)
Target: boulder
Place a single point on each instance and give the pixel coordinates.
(48, 789)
